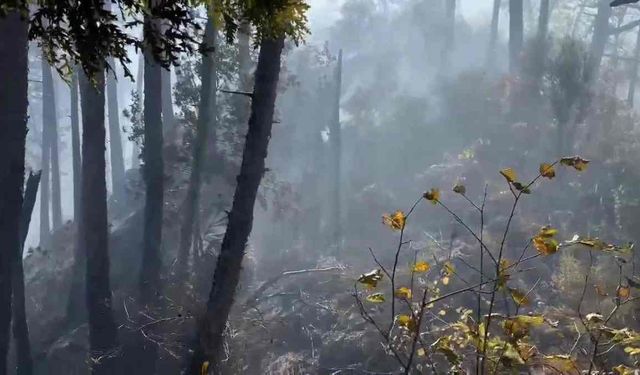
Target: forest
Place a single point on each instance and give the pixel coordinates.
(298, 187)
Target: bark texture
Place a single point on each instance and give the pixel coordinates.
(115, 142)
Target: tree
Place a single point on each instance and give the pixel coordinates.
(168, 117)
(204, 126)
(336, 152)
(115, 141)
(13, 117)
(450, 15)
(227, 272)
(493, 38)
(75, 145)
(24, 360)
(633, 72)
(45, 162)
(516, 34)
(601, 32)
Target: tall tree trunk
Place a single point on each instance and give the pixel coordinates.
(336, 147)
(103, 338)
(228, 267)
(493, 37)
(135, 152)
(14, 64)
(45, 161)
(24, 361)
(516, 34)
(76, 311)
(115, 141)
(601, 31)
(168, 117)
(633, 72)
(449, 37)
(75, 146)
(540, 53)
(206, 118)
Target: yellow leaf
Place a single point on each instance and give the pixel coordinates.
(509, 174)
(545, 246)
(421, 352)
(623, 292)
(204, 370)
(395, 221)
(624, 370)
(445, 280)
(519, 297)
(632, 351)
(563, 363)
(448, 269)
(459, 189)
(376, 298)
(576, 162)
(432, 195)
(546, 170)
(421, 266)
(403, 293)
(547, 232)
(406, 321)
(371, 279)
(442, 312)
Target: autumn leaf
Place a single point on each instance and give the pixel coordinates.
(406, 321)
(509, 174)
(519, 297)
(545, 246)
(421, 352)
(376, 298)
(624, 370)
(562, 363)
(421, 266)
(432, 195)
(460, 189)
(547, 232)
(204, 370)
(371, 279)
(403, 293)
(547, 170)
(447, 271)
(442, 312)
(395, 221)
(623, 292)
(576, 162)
(632, 351)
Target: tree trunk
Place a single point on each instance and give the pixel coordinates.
(516, 35)
(449, 37)
(336, 147)
(228, 267)
(493, 37)
(206, 118)
(633, 73)
(115, 142)
(13, 117)
(601, 31)
(168, 117)
(103, 338)
(24, 361)
(45, 161)
(135, 152)
(75, 146)
(50, 122)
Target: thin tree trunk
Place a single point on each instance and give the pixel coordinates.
(336, 146)
(540, 53)
(75, 146)
(24, 360)
(14, 64)
(516, 34)
(633, 73)
(449, 39)
(601, 31)
(135, 152)
(206, 118)
(228, 267)
(168, 116)
(102, 328)
(493, 37)
(45, 161)
(50, 121)
(115, 141)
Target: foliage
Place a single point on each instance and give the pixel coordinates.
(482, 337)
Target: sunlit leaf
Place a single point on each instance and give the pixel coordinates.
(370, 279)
(444, 345)
(442, 312)
(563, 363)
(519, 297)
(545, 246)
(403, 293)
(509, 174)
(624, 370)
(632, 350)
(547, 170)
(547, 232)
(421, 352)
(594, 318)
(459, 189)
(576, 162)
(623, 292)
(432, 195)
(395, 221)
(447, 271)
(421, 266)
(204, 370)
(376, 298)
